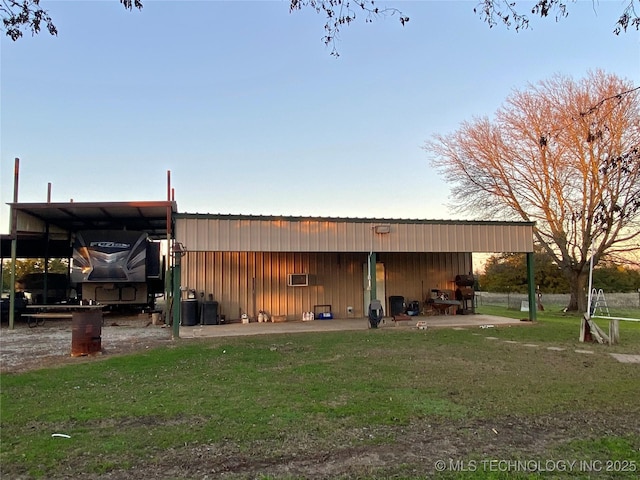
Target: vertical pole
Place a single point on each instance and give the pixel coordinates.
(532, 287)
(45, 285)
(14, 244)
(12, 291)
(168, 282)
(372, 269)
(69, 262)
(176, 298)
(176, 257)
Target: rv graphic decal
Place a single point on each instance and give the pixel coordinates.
(109, 256)
(110, 245)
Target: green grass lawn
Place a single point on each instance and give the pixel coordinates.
(289, 396)
(555, 325)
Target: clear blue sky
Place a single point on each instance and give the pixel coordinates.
(243, 103)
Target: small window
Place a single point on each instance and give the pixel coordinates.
(298, 280)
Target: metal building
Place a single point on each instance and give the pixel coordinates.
(282, 265)
(290, 265)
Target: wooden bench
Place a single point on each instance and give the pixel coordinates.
(42, 312)
(36, 319)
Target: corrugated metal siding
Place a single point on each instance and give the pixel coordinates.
(31, 224)
(210, 233)
(413, 276)
(246, 282)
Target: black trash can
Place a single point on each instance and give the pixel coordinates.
(396, 305)
(189, 312)
(375, 313)
(210, 313)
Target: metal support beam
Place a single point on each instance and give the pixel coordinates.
(45, 285)
(12, 290)
(14, 244)
(176, 299)
(168, 278)
(372, 272)
(531, 282)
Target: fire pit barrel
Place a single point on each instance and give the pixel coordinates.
(465, 280)
(86, 333)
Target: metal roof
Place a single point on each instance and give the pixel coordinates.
(206, 233)
(297, 218)
(36, 221)
(150, 217)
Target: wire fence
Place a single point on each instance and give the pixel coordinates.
(513, 301)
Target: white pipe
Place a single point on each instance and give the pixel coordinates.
(626, 319)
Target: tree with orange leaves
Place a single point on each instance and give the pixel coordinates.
(564, 154)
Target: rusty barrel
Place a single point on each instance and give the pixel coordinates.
(86, 333)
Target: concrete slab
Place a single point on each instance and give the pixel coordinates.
(626, 358)
(343, 324)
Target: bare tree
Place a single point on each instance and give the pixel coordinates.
(343, 12)
(19, 16)
(27, 15)
(506, 12)
(563, 153)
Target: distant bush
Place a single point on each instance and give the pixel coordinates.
(508, 273)
(514, 301)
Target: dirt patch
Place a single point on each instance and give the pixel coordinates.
(23, 348)
(413, 451)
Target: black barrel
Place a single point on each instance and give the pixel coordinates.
(375, 313)
(396, 305)
(189, 312)
(465, 280)
(210, 313)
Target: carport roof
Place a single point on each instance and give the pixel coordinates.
(70, 217)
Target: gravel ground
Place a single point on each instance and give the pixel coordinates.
(24, 348)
